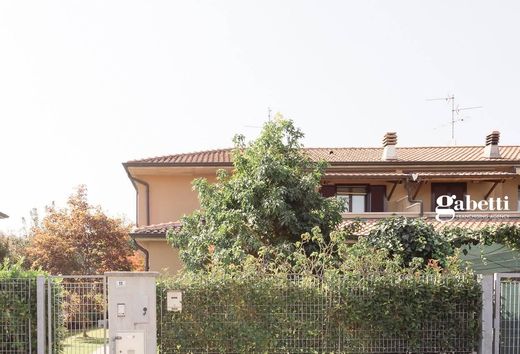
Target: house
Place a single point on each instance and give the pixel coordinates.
(373, 183)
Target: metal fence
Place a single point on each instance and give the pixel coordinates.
(508, 294)
(76, 315)
(17, 316)
(301, 318)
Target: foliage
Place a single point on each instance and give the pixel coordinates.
(80, 239)
(505, 234)
(346, 301)
(271, 199)
(409, 238)
(12, 247)
(18, 304)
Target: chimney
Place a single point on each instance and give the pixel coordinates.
(491, 151)
(389, 143)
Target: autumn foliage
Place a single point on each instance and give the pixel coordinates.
(80, 239)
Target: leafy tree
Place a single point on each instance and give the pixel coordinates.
(12, 247)
(80, 239)
(409, 238)
(271, 198)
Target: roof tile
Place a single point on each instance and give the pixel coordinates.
(347, 155)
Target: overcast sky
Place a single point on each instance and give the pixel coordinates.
(86, 85)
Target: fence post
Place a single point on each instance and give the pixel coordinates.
(40, 314)
(486, 342)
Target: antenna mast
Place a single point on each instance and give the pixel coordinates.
(454, 110)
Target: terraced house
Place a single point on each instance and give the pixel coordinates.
(373, 183)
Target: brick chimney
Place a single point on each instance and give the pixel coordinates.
(491, 151)
(389, 143)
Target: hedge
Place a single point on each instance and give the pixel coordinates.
(380, 313)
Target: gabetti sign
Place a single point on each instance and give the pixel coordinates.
(448, 205)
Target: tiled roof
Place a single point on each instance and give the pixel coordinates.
(397, 175)
(473, 223)
(347, 155)
(156, 230)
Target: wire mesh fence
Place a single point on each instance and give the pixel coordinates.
(17, 315)
(509, 336)
(77, 320)
(309, 315)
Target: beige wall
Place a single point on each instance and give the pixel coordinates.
(171, 197)
(163, 257)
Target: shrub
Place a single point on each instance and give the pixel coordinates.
(232, 312)
(337, 299)
(409, 238)
(18, 306)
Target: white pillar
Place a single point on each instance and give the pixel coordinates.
(486, 344)
(132, 319)
(40, 314)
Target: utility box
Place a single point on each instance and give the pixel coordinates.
(174, 300)
(132, 312)
(130, 342)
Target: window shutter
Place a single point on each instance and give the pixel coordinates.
(328, 190)
(377, 198)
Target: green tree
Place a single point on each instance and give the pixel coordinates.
(271, 198)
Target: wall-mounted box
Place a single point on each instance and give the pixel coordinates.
(174, 300)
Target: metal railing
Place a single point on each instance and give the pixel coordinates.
(300, 319)
(76, 315)
(507, 290)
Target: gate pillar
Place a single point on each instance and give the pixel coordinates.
(132, 318)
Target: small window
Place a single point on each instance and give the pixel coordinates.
(353, 197)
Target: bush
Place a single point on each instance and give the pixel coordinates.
(18, 304)
(253, 312)
(340, 298)
(410, 238)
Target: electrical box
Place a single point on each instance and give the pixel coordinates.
(130, 342)
(174, 300)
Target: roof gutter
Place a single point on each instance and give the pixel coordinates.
(411, 198)
(146, 254)
(147, 191)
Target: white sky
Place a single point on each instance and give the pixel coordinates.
(86, 85)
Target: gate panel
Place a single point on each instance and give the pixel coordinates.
(507, 322)
(77, 320)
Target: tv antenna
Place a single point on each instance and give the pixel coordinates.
(455, 110)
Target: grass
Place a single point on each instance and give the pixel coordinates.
(76, 343)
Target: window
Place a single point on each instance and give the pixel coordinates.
(438, 189)
(518, 198)
(353, 197)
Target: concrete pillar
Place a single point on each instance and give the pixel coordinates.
(132, 322)
(40, 314)
(486, 343)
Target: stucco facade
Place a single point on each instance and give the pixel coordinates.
(164, 189)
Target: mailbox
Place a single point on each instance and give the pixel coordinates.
(174, 300)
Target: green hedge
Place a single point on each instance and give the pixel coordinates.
(18, 308)
(385, 313)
